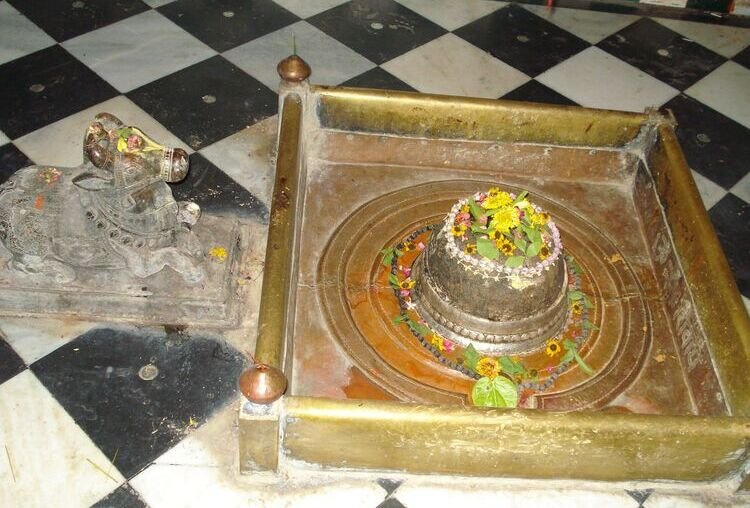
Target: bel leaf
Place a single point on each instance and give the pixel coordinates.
(585, 368)
(471, 357)
(521, 197)
(497, 392)
(487, 248)
(475, 210)
(520, 243)
(588, 325)
(393, 280)
(534, 249)
(388, 255)
(575, 295)
(514, 261)
(400, 319)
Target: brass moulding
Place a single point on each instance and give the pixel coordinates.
(360, 170)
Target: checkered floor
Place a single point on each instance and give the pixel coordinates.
(78, 426)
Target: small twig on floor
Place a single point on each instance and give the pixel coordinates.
(112, 462)
(10, 463)
(101, 470)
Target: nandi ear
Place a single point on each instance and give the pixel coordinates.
(92, 182)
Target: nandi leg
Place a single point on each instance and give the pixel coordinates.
(38, 266)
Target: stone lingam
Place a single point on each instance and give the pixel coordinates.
(498, 283)
(97, 238)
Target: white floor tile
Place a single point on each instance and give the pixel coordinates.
(124, 53)
(307, 8)
(727, 90)
(711, 193)
(34, 338)
(157, 3)
(61, 143)
(724, 40)
(450, 65)
(591, 26)
(331, 62)
(52, 461)
(248, 157)
(3, 138)
(742, 188)
(451, 14)
(596, 79)
(18, 35)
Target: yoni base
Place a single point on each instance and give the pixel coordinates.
(118, 295)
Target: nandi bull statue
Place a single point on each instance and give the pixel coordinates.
(114, 211)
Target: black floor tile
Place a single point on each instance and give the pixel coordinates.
(743, 57)
(214, 191)
(389, 485)
(377, 29)
(378, 78)
(10, 363)
(391, 502)
(11, 160)
(67, 19)
(224, 24)
(124, 497)
(133, 421)
(662, 53)
(522, 39)
(731, 218)
(207, 101)
(44, 87)
(534, 91)
(714, 145)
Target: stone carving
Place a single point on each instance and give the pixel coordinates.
(114, 211)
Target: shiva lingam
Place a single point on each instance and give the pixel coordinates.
(493, 275)
(114, 211)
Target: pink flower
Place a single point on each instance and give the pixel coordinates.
(448, 345)
(463, 217)
(420, 246)
(405, 293)
(405, 269)
(134, 142)
(549, 369)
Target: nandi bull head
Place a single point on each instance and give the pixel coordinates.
(115, 211)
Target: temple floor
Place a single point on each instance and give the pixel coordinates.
(81, 423)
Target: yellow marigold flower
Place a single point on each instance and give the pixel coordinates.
(488, 367)
(494, 191)
(406, 284)
(470, 248)
(507, 248)
(496, 235)
(459, 230)
(544, 252)
(408, 247)
(498, 200)
(577, 307)
(539, 218)
(506, 219)
(437, 341)
(465, 209)
(219, 253)
(553, 347)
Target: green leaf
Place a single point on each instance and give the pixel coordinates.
(521, 197)
(575, 295)
(574, 265)
(588, 325)
(511, 367)
(388, 255)
(475, 210)
(393, 280)
(471, 357)
(480, 229)
(419, 327)
(534, 249)
(520, 243)
(514, 261)
(497, 392)
(568, 356)
(487, 249)
(587, 303)
(400, 319)
(585, 368)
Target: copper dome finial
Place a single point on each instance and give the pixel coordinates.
(293, 69)
(262, 384)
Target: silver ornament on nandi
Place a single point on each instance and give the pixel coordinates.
(114, 211)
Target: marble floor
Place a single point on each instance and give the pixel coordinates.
(79, 428)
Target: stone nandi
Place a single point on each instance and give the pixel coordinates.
(114, 211)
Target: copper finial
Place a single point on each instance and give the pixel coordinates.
(294, 69)
(262, 384)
